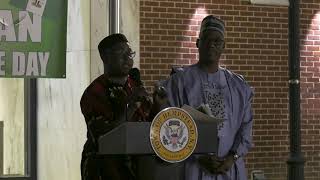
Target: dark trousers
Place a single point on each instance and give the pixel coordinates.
(95, 167)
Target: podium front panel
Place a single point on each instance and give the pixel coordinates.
(133, 138)
(128, 138)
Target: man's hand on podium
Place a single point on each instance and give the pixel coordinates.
(204, 108)
(160, 98)
(160, 95)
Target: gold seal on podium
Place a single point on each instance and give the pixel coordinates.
(173, 135)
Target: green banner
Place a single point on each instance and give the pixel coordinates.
(33, 38)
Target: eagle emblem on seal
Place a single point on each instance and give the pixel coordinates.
(175, 135)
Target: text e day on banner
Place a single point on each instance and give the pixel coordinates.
(33, 38)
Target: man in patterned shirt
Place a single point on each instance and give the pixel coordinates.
(108, 101)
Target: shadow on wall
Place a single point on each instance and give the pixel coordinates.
(309, 86)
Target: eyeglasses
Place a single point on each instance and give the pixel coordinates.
(131, 54)
(219, 44)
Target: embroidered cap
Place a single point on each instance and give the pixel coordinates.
(212, 23)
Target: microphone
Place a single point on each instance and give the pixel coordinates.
(135, 81)
(134, 78)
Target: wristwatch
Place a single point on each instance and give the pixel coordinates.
(235, 156)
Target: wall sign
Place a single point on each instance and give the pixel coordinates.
(33, 38)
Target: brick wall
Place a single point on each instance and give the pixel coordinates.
(256, 47)
(310, 86)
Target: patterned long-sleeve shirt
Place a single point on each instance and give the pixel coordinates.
(105, 106)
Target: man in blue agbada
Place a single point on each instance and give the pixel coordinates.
(226, 94)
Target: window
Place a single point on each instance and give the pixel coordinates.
(17, 129)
